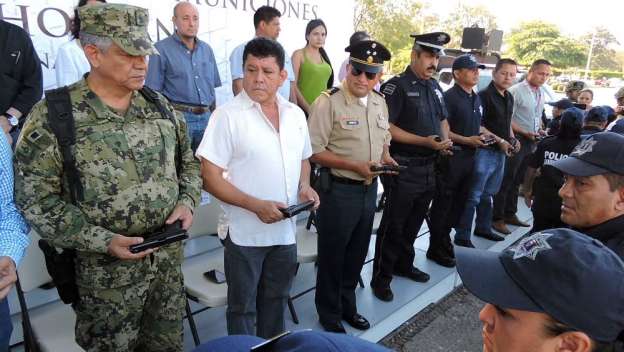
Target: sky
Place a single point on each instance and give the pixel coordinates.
(573, 17)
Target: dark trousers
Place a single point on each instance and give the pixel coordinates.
(344, 223)
(455, 175)
(546, 210)
(259, 280)
(407, 204)
(6, 326)
(506, 200)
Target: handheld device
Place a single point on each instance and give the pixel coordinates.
(388, 168)
(296, 209)
(214, 275)
(172, 233)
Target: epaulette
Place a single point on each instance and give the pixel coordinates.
(380, 93)
(331, 91)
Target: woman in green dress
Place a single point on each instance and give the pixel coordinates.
(312, 67)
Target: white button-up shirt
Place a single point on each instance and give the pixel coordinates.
(259, 161)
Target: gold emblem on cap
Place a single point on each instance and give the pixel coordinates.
(369, 59)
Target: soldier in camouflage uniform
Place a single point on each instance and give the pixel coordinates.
(125, 153)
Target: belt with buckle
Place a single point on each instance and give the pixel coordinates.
(349, 181)
(193, 109)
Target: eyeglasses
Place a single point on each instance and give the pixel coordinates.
(369, 75)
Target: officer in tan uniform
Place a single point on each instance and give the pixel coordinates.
(349, 135)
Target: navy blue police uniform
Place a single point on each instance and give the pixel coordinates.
(546, 205)
(454, 171)
(416, 106)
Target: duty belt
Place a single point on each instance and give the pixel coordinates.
(193, 109)
(415, 160)
(349, 181)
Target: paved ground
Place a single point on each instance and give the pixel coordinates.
(451, 325)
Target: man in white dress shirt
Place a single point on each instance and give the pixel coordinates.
(262, 141)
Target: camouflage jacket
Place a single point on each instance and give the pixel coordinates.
(127, 169)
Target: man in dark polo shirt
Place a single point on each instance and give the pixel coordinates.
(592, 194)
(464, 119)
(489, 162)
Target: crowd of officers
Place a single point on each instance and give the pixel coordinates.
(444, 156)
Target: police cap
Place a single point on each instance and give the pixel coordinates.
(368, 55)
(598, 154)
(433, 42)
(567, 275)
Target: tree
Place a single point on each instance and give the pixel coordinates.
(603, 57)
(540, 40)
(391, 23)
(467, 16)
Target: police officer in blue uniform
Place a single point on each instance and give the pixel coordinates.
(541, 188)
(419, 129)
(454, 171)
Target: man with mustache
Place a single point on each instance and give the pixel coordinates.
(419, 129)
(129, 172)
(350, 138)
(592, 195)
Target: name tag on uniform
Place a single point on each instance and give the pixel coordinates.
(413, 94)
(353, 122)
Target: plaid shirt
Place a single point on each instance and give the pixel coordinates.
(13, 229)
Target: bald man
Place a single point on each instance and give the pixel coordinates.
(186, 71)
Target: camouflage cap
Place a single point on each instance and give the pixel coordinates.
(125, 25)
(575, 85)
(620, 93)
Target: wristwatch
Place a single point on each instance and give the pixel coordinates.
(13, 121)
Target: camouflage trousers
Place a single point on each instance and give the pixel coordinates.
(141, 314)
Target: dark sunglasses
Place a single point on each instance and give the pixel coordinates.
(369, 75)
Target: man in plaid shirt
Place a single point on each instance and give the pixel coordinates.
(13, 238)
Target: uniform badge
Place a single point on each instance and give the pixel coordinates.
(353, 122)
(530, 247)
(440, 95)
(587, 146)
(389, 89)
(413, 94)
(34, 136)
(481, 110)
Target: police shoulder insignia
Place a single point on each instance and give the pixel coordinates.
(389, 88)
(530, 247)
(331, 91)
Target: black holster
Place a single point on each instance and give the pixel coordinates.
(62, 268)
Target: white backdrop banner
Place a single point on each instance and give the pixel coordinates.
(224, 24)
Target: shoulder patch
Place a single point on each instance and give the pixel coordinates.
(389, 88)
(332, 91)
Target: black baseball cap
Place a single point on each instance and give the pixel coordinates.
(598, 154)
(567, 275)
(466, 61)
(562, 104)
(597, 114)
